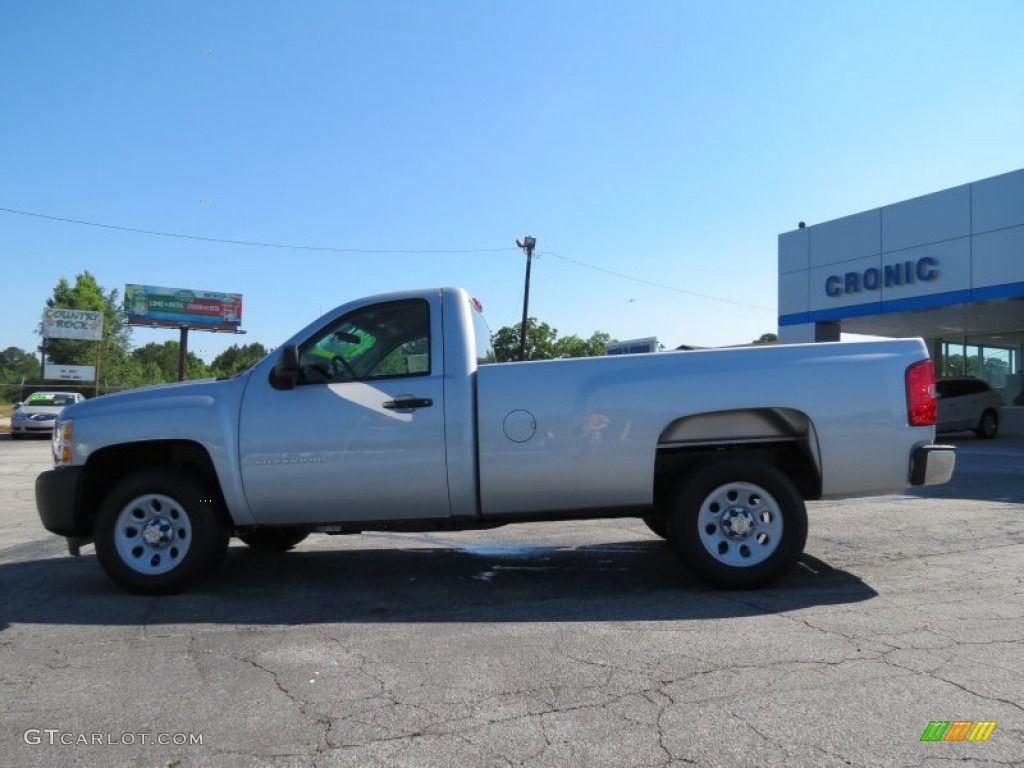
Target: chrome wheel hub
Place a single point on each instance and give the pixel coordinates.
(737, 523)
(740, 524)
(157, 532)
(153, 534)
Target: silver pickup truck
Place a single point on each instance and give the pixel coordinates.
(389, 413)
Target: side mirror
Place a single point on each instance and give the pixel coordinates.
(286, 369)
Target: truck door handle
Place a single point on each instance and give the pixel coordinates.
(408, 401)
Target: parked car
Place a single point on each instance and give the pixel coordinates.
(968, 403)
(37, 414)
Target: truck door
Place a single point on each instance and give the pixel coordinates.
(361, 434)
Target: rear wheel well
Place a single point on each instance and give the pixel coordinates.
(109, 466)
(782, 437)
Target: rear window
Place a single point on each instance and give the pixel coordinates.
(961, 387)
(484, 348)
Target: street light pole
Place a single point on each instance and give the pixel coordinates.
(528, 243)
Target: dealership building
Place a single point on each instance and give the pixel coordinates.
(948, 267)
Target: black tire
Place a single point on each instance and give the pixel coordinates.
(658, 525)
(738, 523)
(273, 539)
(988, 425)
(16, 436)
(160, 531)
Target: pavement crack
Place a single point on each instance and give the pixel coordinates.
(760, 733)
(932, 674)
(660, 727)
(303, 706)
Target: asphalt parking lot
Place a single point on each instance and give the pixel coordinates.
(574, 644)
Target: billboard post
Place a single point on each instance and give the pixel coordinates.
(183, 353)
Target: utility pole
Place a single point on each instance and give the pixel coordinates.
(528, 243)
(183, 353)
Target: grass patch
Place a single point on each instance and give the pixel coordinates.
(5, 411)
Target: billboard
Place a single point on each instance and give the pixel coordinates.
(53, 372)
(632, 347)
(177, 307)
(72, 324)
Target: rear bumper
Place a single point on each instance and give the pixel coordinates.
(932, 464)
(58, 493)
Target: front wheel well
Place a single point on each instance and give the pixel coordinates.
(109, 466)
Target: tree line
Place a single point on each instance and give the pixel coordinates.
(125, 367)
(120, 365)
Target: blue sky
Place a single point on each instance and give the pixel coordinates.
(667, 141)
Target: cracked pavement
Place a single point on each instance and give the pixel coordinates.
(569, 644)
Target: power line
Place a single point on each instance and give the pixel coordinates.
(654, 283)
(332, 249)
(252, 242)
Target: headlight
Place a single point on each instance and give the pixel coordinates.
(19, 415)
(62, 442)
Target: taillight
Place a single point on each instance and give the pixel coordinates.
(921, 403)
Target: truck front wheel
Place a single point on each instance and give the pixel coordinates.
(160, 531)
(657, 524)
(738, 524)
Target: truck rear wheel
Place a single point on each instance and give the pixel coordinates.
(738, 523)
(273, 539)
(160, 531)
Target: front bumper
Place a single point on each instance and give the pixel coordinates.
(58, 496)
(932, 464)
(32, 427)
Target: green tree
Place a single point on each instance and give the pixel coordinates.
(117, 369)
(158, 363)
(766, 338)
(16, 365)
(955, 365)
(574, 346)
(996, 371)
(237, 358)
(19, 362)
(542, 343)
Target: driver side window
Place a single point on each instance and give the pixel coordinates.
(381, 341)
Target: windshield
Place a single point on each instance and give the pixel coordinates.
(50, 398)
